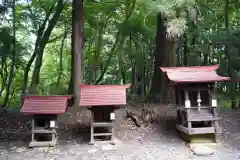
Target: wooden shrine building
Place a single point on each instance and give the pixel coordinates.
(102, 101)
(197, 104)
(44, 111)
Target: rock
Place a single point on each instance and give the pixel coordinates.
(139, 139)
(117, 141)
(13, 148)
(107, 147)
(92, 150)
(42, 149)
(201, 149)
(21, 149)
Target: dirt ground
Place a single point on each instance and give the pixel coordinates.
(153, 142)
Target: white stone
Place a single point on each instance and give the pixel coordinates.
(201, 149)
(92, 150)
(116, 141)
(21, 149)
(52, 124)
(187, 104)
(108, 147)
(214, 102)
(112, 116)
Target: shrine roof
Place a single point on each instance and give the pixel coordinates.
(193, 74)
(102, 95)
(34, 104)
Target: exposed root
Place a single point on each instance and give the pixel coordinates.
(134, 117)
(145, 116)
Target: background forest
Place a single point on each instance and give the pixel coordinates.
(124, 42)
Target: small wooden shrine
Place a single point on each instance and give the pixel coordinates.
(102, 101)
(44, 111)
(197, 104)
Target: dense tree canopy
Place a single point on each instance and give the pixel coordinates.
(124, 41)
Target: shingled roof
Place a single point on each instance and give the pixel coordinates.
(101, 95)
(193, 74)
(44, 104)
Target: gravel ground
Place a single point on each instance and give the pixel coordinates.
(154, 142)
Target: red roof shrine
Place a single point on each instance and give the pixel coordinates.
(99, 95)
(193, 74)
(90, 95)
(44, 104)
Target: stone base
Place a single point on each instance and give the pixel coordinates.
(203, 149)
(43, 143)
(102, 142)
(198, 138)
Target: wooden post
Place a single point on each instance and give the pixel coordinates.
(187, 101)
(21, 98)
(33, 129)
(92, 128)
(187, 105)
(113, 128)
(179, 98)
(43, 129)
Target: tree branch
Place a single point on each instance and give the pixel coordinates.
(32, 16)
(41, 4)
(112, 51)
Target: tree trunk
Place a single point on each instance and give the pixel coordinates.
(11, 76)
(170, 62)
(3, 74)
(226, 21)
(61, 58)
(36, 49)
(159, 60)
(42, 43)
(119, 39)
(185, 50)
(26, 72)
(77, 50)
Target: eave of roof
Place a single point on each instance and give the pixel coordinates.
(34, 104)
(193, 74)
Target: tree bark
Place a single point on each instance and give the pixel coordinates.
(226, 22)
(77, 50)
(169, 93)
(185, 50)
(39, 33)
(119, 38)
(11, 76)
(61, 58)
(42, 43)
(3, 74)
(159, 60)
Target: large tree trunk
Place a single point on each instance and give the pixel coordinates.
(232, 88)
(118, 40)
(60, 70)
(185, 50)
(159, 60)
(11, 76)
(77, 50)
(171, 61)
(41, 43)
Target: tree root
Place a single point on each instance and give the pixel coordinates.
(146, 116)
(134, 117)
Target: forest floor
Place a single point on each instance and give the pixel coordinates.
(153, 142)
